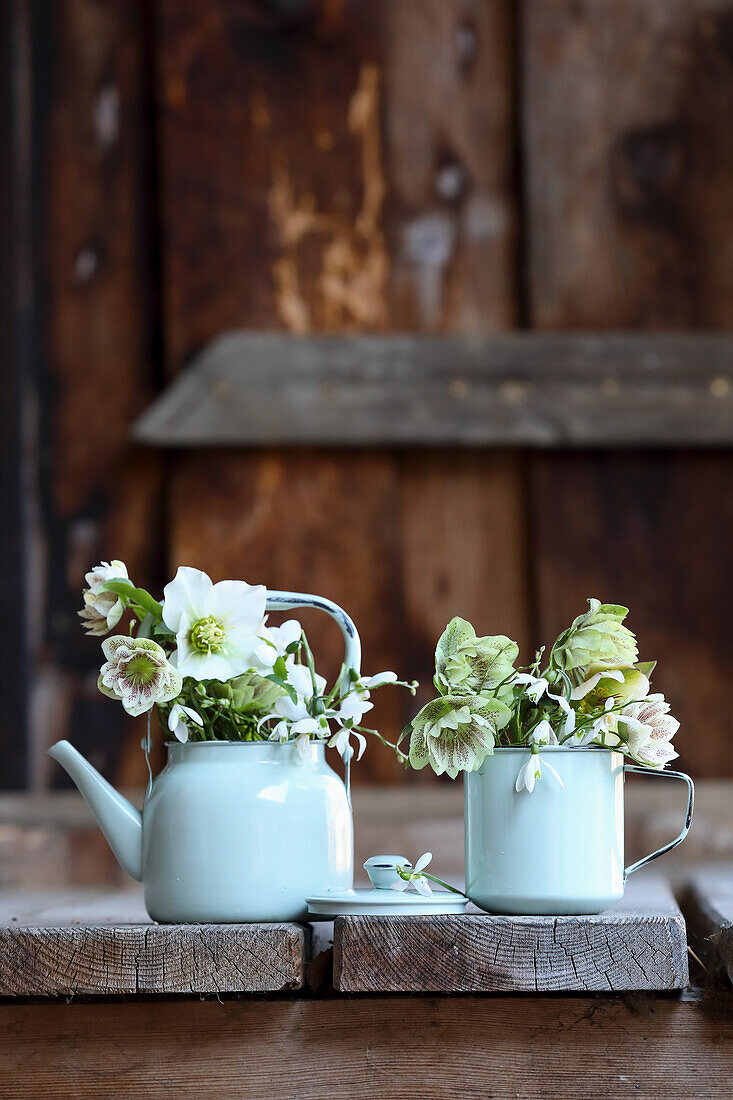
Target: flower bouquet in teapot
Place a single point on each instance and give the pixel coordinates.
(205, 658)
(544, 749)
(247, 819)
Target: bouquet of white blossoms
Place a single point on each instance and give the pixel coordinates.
(205, 657)
(591, 691)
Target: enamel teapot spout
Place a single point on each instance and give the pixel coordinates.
(119, 820)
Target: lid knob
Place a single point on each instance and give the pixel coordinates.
(382, 870)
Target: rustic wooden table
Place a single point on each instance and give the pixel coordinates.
(96, 1001)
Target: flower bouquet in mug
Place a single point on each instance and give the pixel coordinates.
(558, 730)
(591, 690)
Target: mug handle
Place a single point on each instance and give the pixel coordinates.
(688, 816)
(288, 601)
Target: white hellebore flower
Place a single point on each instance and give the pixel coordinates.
(216, 625)
(531, 771)
(102, 610)
(177, 723)
(537, 686)
(414, 878)
(138, 673)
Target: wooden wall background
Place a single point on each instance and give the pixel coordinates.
(181, 167)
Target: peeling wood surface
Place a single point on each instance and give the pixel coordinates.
(536, 390)
(436, 1048)
(78, 942)
(639, 944)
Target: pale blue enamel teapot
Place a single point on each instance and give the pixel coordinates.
(232, 831)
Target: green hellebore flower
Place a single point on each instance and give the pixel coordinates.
(468, 665)
(248, 693)
(456, 733)
(597, 635)
(608, 680)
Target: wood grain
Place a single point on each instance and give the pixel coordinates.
(538, 390)
(17, 338)
(709, 905)
(96, 495)
(639, 944)
(438, 1048)
(76, 942)
(628, 166)
(336, 201)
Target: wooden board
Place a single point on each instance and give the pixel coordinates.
(438, 1048)
(81, 942)
(251, 389)
(639, 944)
(92, 495)
(709, 905)
(344, 168)
(17, 339)
(628, 170)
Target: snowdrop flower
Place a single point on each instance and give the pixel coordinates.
(216, 625)
(102, 610)
(295, 718)
(352, 709)
(414, 878)
(177, 723)
(537, 686)
(531, 771)
(138, 673)
(275, 642)
(603, 730)
(341, 741)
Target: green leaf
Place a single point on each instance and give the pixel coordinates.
(280, 668)
(647, 667)
(132, 594)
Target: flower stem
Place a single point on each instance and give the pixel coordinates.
(440, 882)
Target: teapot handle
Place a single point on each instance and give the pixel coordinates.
(688, 815)
(288, 601)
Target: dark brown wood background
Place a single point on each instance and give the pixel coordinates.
(452, 166)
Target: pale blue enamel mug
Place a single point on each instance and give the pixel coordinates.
(558, 849)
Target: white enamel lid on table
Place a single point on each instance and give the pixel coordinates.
(384, 903)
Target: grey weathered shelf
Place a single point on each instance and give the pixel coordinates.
(516, 389)
(709, 904)
(640, 944)
(69, 942)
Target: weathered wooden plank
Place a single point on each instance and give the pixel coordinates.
(543, 390)
(639, 944)
(435, 1048)
(345, 169)
(80, 942)
(17, 338)
(97, 496)
(709, 909)
(628, 157)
